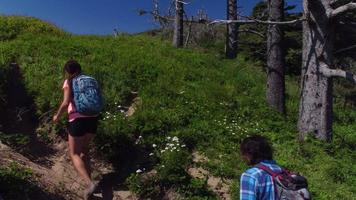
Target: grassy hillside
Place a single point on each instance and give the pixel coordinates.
(207, 103)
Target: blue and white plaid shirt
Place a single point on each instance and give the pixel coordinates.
(256, 184)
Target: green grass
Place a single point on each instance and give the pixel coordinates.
(15, 179)
(209, 103)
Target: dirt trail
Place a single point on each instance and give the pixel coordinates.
(61, 178)
(218, 185)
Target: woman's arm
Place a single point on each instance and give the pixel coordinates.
(64, 104)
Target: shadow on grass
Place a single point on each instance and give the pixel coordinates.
(19, 119)
(16, 188)
(126, 158)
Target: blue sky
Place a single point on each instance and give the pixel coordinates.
(102, 16)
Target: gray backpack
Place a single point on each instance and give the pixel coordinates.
(288, 185)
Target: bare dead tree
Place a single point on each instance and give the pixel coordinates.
(196, 26)
(315, 110)
(155, 8)
(189, 32)
(178, 24)
(231, 30)
(275, 54)
(318, 70)
(276, 58)
(164, 20)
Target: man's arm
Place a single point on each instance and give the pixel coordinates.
(247, 187)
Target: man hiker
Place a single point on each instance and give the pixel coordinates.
(255, 183)
(265, 180)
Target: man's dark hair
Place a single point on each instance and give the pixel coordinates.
(256, 148)
(72, 67)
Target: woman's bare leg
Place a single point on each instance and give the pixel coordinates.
(76, 145)
(85, 151)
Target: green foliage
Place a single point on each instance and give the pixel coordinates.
(172, 167)
(13, 26)
(170, 174)
(17, 141)
(15, 180)
(208, 103)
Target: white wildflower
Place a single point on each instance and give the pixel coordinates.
(183, 145)
(151, 154)
(175, 139)
(138, 171)
(154, 145)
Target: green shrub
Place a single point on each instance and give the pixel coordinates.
(15, 180)
(13, 26)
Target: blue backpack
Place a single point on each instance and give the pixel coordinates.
(87, 96)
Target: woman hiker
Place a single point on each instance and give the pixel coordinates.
(81, 128)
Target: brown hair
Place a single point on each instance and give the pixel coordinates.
(72, 67)
(256, 148)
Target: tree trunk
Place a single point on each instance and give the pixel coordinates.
(178, 25)
(232, 28)
(275, 58)
(315, 109)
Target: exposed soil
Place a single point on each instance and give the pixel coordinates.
(218, 185)
(61, 179)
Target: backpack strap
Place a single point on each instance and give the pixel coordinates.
(267, 169)
(70, 83)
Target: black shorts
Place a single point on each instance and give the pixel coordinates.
(81, 126)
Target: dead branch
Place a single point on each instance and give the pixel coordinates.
(20, 112)
(251, 31)
(183, 2)
(345, 49)
(326, 71)
(256, 21)
(342, 9)
(169, 18)
(46, 114)
(3, 99)
(333, 2)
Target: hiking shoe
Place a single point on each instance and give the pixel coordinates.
(88, 193)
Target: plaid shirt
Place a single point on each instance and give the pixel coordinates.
(256, 184)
